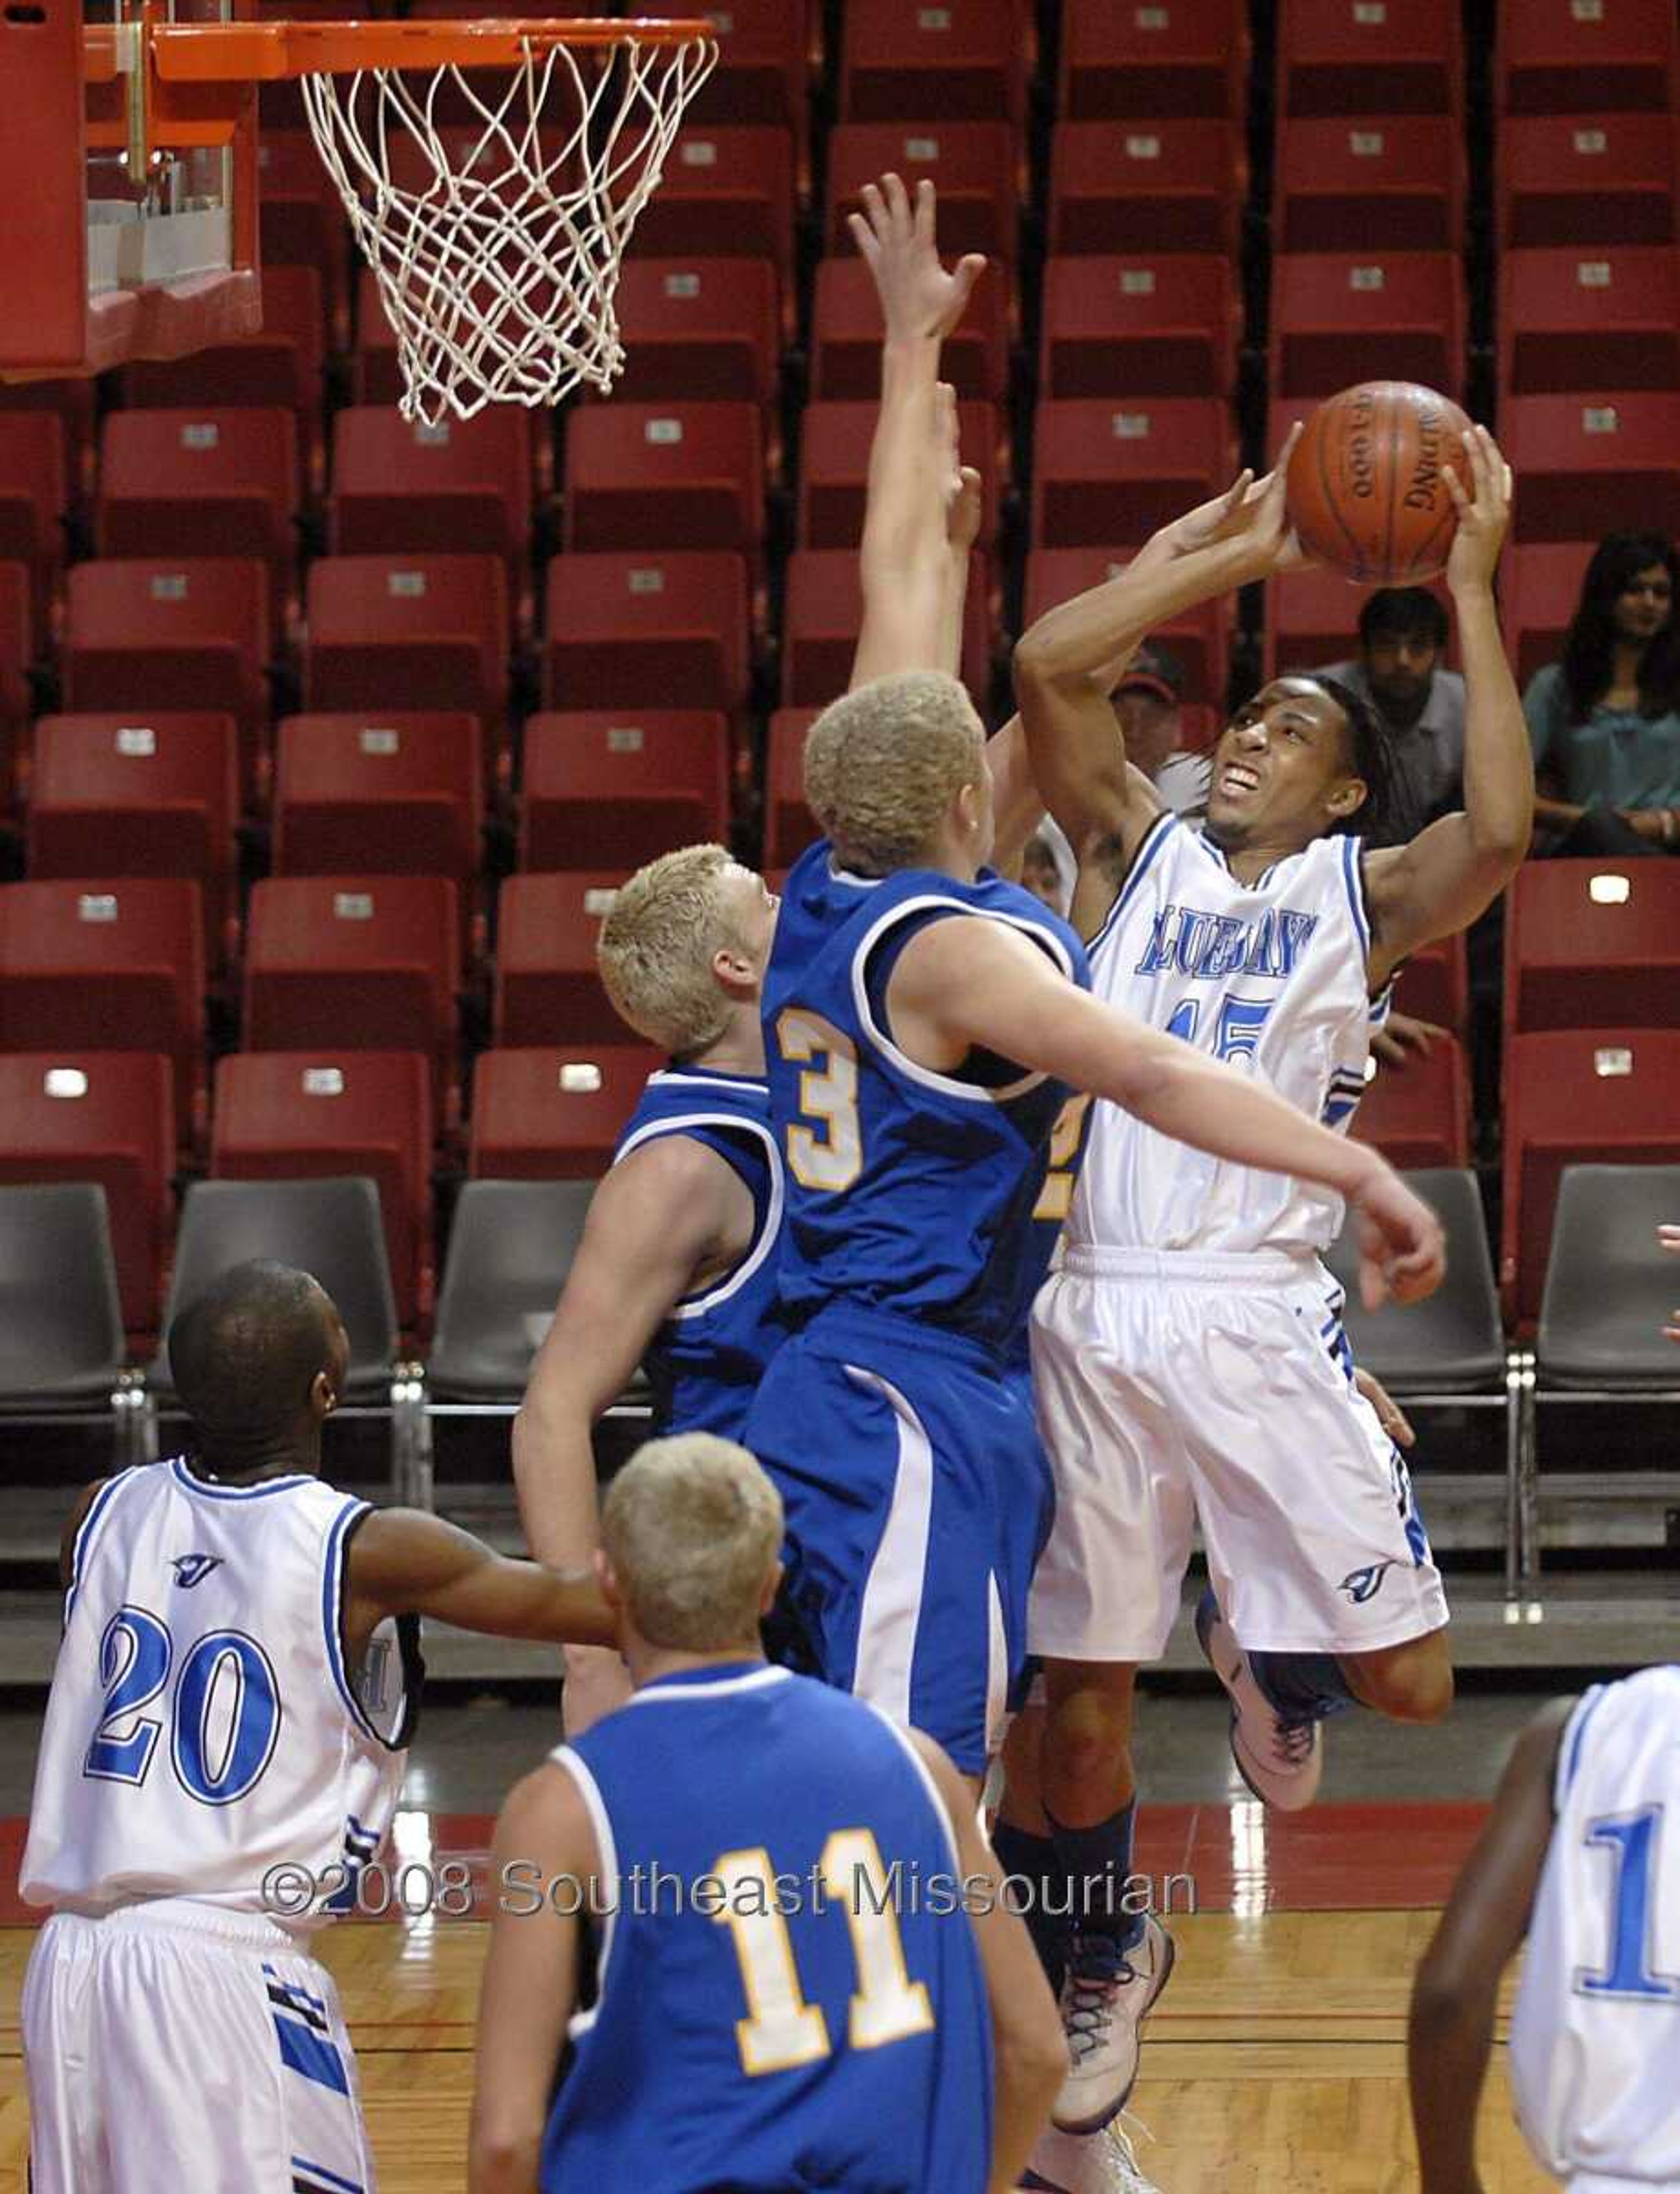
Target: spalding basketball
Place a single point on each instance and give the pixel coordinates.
(1366, 491)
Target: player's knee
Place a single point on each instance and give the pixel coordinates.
(1087, 1738)
(1412, 1683)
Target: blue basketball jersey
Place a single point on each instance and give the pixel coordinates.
(907, 1189)
(791, 1996)
(710, 1353)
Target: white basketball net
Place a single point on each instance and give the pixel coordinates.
(497, 252)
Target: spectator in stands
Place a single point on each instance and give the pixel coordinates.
(1605, 719)
(1402, 638)
(1041, 872)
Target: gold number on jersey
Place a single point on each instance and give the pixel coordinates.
(834, 1158)
(782, 2029)
(1055, 1199)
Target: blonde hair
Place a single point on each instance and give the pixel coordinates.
(883, 764)
(692, 1527)
(656, 948)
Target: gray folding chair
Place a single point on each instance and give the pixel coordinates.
(62, 1354)
(510, 1249)
(1450, 1353)
(332, 1228)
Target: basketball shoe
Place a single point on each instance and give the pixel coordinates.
(1106, 1998)
(1087, 2163)
(1281, 1761)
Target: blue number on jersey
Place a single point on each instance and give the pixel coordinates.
(136, 1653)
(1632, 1840)
(1241, 1021)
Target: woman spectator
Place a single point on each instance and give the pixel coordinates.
(1605, 720)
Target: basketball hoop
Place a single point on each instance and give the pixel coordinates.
(497, 246)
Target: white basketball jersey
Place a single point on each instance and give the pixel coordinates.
(1595, 2038)
(202, 1727)
(1272, 976)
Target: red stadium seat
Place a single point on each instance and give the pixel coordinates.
(599, 786)
(699, 329)
(402, 795)
(1108, 474)
(548, 987)
(190, 632)
(1434, 985)
(1540, 590)
(113, 797)
(823, 612)
(1338, 318)
(355, 963)
(834, 440)
(34, 498)
(963, 61)
(675, 476)
(1561, 181)
(1339, 57)
(108, 965)
(423, 631)
(102, 1116)
(281, 364)
(1569, 321)
(1418, 1114)
(302, 220)
(1548, 49)
(1144, 188)
(726, 193)
(325, 1112)
(1600, 1096)
(1593, 944)
(1188, 59)
(1374, 184)
(976, 167)
(767, 52)
(554, 1115)
(17, 653)
(1589, 465)
(1312, 619)
(1200, 638)
(789, 826)
(460, 486)
(629, 631)
(73, 405)
(846, 329)
(1139, 326)
(212, 482)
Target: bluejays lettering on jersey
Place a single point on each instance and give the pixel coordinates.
(708, 1357)
(1211, 946)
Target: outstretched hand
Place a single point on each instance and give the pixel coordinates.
(919, 297)
(1251, 507)
(961, 483)
(1483, 505)
(1403, 1250)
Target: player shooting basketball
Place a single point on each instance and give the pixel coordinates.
(1187, 1354)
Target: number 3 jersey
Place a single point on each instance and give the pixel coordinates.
(1272, 976)
(202, 1727)
(791, 1993)
(907, 1190)
(1595, 2036)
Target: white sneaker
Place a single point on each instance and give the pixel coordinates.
(1280, 1761)
(1087, 2163)
(1106, 1998)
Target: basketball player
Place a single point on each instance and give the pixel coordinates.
(790, 1993)
(676, 1268)
(227, 1723)
(1187, 1354)
(1579, 1856)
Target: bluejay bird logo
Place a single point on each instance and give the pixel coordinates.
(1360, 1585)
(194, 1568)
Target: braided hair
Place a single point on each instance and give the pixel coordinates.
(1384, 816)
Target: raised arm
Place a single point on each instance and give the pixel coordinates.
(1456, 1989)
(966, 981)
(1439, 882)
(905, 558)
(403, 1561)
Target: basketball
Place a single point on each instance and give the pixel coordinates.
(1366, 491)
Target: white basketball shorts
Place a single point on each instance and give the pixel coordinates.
(176, 2048)
(1173, 1388)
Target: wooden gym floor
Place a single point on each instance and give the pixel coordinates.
(1275, 2064)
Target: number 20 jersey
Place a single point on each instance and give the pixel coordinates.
(1272, 976)
(907, 1190)
(202, 1727)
